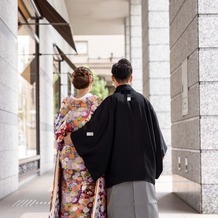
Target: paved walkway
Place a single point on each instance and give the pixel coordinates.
(32, 201)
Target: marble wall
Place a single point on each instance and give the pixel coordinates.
(9, 93)
(194, 84)
(49, 36)
(135, 37)
(8, 98)
(155, 59)
(185, 127)
(208, 89)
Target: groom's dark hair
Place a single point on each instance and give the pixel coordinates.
(122, 70)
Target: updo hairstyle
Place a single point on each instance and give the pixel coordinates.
(81, 77)
(122, 70)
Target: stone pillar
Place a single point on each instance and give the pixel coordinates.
(127, 39)
(194, 88)
(156, 77)
(136, 43)
(208, 80)
(49, 36)
(8, 98)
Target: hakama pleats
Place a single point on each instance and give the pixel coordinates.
(132, 200)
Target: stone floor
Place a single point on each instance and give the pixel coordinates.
(32, 200)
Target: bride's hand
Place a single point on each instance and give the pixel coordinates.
(68, 140)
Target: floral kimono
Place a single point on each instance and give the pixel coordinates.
(75, 193)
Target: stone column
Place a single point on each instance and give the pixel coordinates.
(8, 98)
(208, 84)
(48, 36)
(156, 77)
(136, 43)
(194, 88)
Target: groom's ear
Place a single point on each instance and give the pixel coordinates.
(112, 78)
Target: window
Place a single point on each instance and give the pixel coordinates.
(27, 94)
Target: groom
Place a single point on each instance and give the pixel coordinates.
(123, 141)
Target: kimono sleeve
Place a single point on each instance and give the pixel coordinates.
(94, 141)
(161, 146)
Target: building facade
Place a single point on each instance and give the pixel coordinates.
(28, 66)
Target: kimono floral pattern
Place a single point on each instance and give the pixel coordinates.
(75, 194)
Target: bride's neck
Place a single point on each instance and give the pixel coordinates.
(82, 92)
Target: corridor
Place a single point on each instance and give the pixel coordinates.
(32, 201)
(173, 48)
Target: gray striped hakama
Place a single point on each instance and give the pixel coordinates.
(132, 200)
